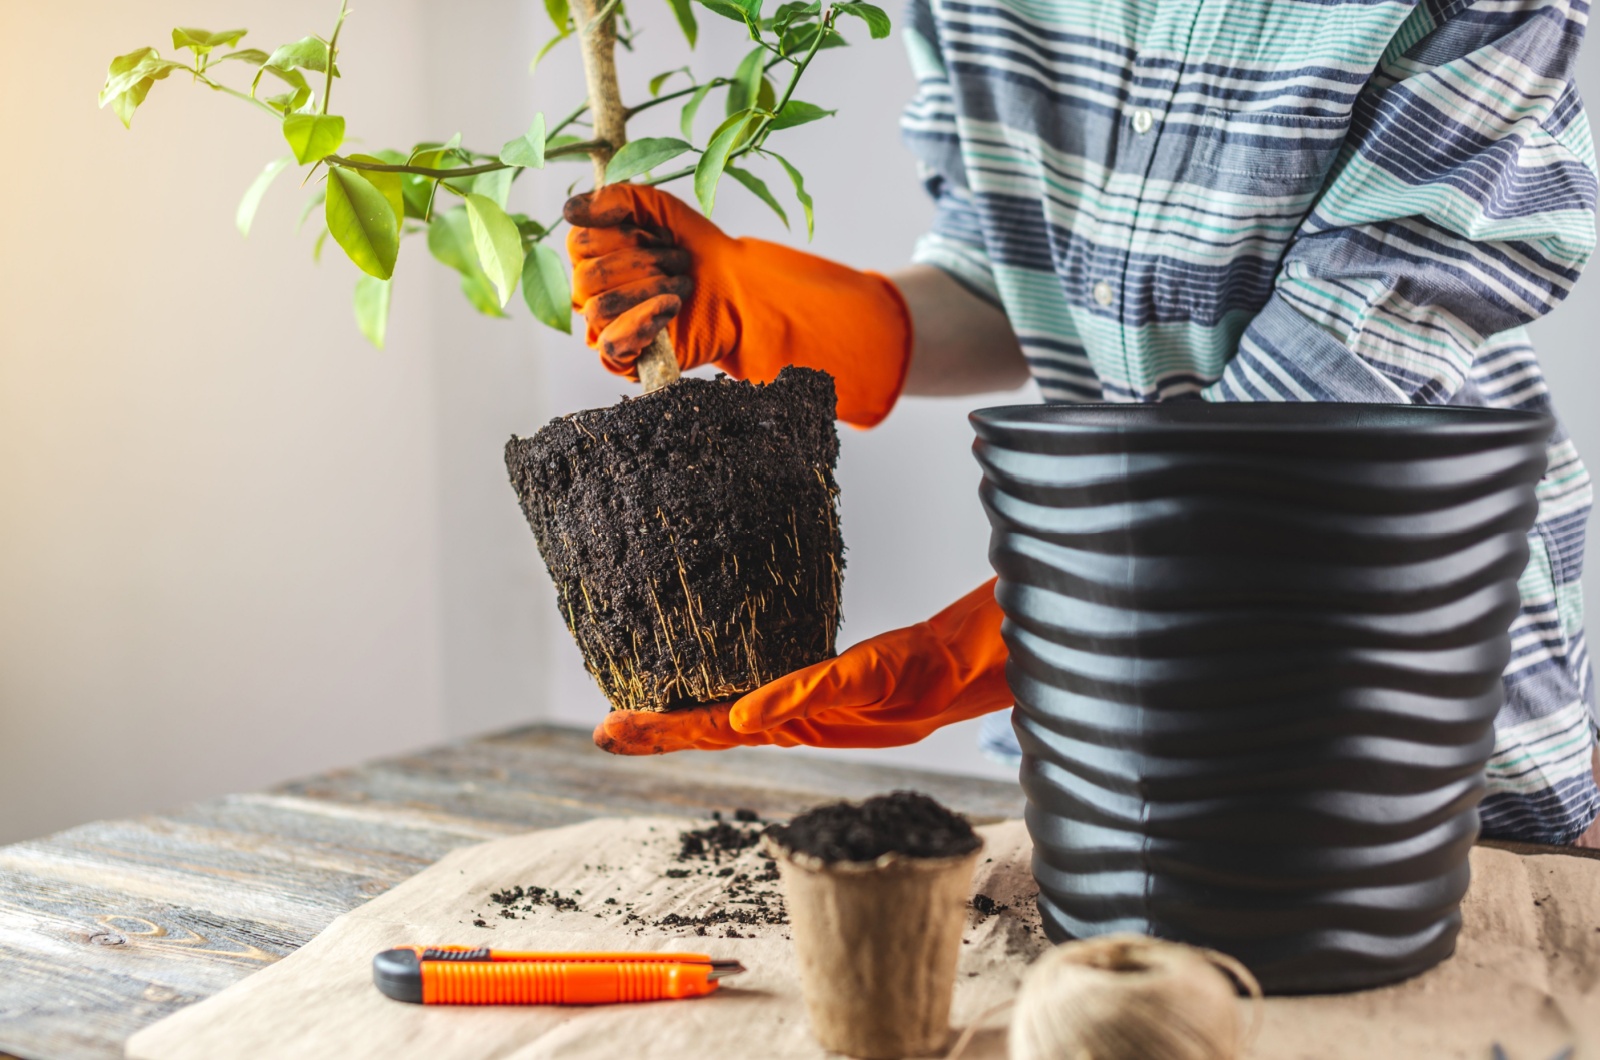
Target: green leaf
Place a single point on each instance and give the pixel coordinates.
(746, 11)
(388, 183)
(562, 141)
(799, 191)
(498, 243)
(480, 292)
(245, 55)
(362, 222)
(709, 169)
(797, 40)
(372, 308)
(307, 53)
(533, 64)
(788, 14)
(125, 104)
(416, 193)
(876, 18)
(129, 79)
(316, 248)
(691, 108)
(545, 288)
(434, 156)
(758, 187)
(494, 185)
(660, 79)
(299, 93)
(641, 156)
(560, 12)
(128, 70)
(258, 187)
(313, 136)
(201, 41)
(450, 242)
(527, 149)
(683, 11)
(795, 113)
(746, 81)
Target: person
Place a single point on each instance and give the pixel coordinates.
(1153, 200)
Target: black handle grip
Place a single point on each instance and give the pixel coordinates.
(398, 974)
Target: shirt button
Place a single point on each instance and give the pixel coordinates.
(1103, 293)
(1143, 120)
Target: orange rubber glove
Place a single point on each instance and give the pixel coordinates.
(893, 689)
(643, 260)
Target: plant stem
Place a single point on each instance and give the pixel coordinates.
(333, 51)
(640, 108)
(601, 16)
(676, 175)
(823, 30)
(582, 108)
(586, 147)
(657, 365)
(598, 39)
(235, 92)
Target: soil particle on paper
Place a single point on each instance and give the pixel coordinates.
(748, 895)
(987, 907)
(514, 899)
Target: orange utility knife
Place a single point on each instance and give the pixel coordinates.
(459, 975)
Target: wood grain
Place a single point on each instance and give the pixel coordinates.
(111, 926)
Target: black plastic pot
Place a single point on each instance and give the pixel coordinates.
(1256, 651)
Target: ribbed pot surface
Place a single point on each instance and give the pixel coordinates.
(1256, 651)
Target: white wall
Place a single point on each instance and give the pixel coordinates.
(236, 543)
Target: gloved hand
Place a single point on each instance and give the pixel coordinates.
(893, 689)
(643, 260)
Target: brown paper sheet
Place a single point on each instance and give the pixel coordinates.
(1526, 974)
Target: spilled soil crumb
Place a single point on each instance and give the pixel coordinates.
(987, 906)
(746, 896)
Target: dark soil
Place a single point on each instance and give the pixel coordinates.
(987, 907)
(692, 534)
(715, 842)
(513, 899)
(902, 822)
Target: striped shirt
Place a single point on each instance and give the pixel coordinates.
(1290, 200)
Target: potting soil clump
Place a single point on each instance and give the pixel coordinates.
(907, 823)
(692, 534)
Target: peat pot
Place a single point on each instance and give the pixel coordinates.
(1256, 652)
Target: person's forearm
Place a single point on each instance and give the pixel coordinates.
(961, 343)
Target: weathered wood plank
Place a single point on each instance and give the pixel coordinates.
(111, 926)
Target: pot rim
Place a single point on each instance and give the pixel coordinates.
(1257, 417)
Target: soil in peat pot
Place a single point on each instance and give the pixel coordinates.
(692, 534)
(907, 823)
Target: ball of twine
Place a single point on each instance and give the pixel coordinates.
(1129, 997)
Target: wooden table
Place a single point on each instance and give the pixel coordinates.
(111, 926)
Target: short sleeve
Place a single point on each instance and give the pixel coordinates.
(955, 242)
